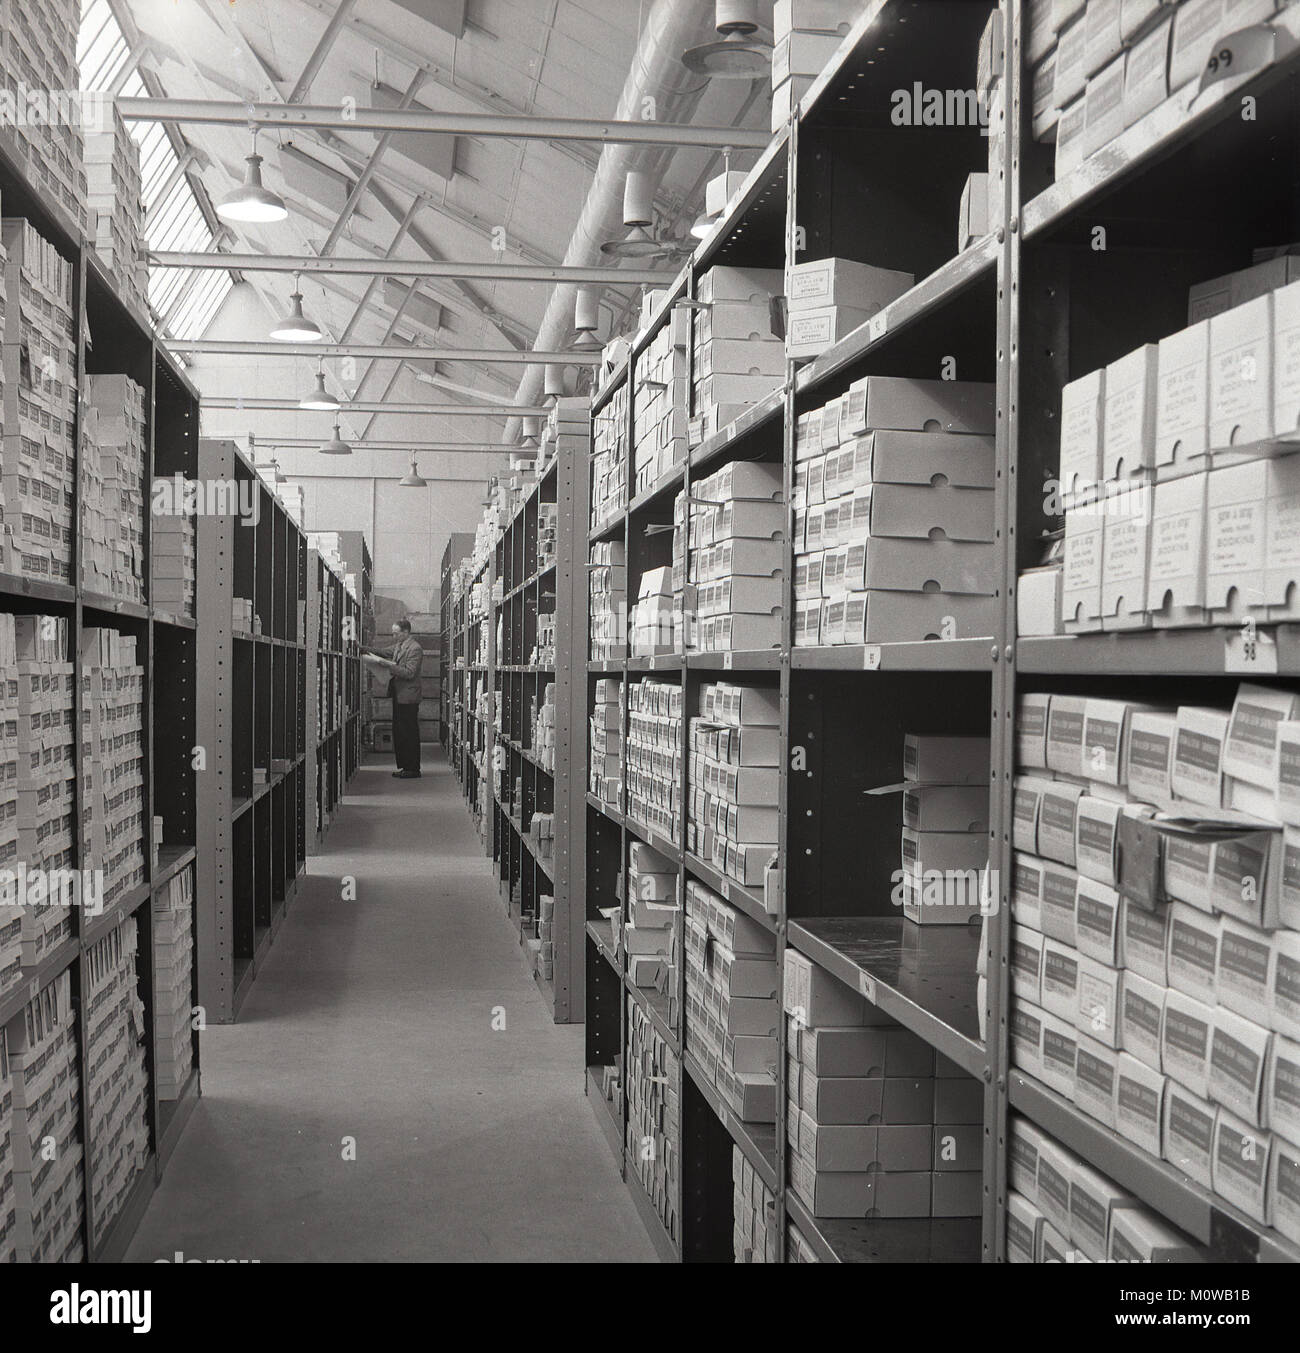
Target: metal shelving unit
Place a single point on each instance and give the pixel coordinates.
(1029, 307)
(111, 337)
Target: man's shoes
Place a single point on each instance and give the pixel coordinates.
(397, 774)
(407, 775)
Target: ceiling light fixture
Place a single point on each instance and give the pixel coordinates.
(586, 310)
(320, 397)
(336, 446)
(413, 479)
(741, 51)
(296, 327)
(251, 203)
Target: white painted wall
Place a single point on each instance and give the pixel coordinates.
(407, 528)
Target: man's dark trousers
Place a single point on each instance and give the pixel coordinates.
(406, 736)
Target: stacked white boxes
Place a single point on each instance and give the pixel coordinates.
(1155, 938)
(541, 727)
(49, 1185)
(545, 936)
(732, 1010)
(654, 1116)
(655, 620)
(736, 543)
(893, 514)
(38, 68)
(828, 298)
(654, 755)
(112, 766)
(1176, 499)
(1060, 1210)
(647, 938)
(174, 562)
(37, 801)
(39, 357)
(605, 736)
(173, 937)
(945, 828)
(607, 617)
(609, 459)
(733, 816)
(548, 517)
(1103, 66)
(8, 1215)
(117, 201)
(806, 34)
(878, 1123)
(115, 457)
(118, 1085)
(738, 360)
(660, 402)
(755, 1239)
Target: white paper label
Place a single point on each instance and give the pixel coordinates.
(1250, 652)
(878, 325)
(867, 986)
(871, 658)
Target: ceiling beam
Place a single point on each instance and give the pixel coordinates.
(383, 407)
(388, 444)
(316, 60)
(607, 131)
(382, 352)
(411, 267)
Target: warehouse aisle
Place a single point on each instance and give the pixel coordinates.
(369, 1034)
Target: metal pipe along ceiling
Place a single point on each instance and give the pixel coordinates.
(657, 72)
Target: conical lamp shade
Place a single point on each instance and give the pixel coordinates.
(336, 446)
(413, 480)
(251, 203)
(296, 327)
(320, 397)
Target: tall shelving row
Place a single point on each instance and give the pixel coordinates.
(98, 744)
(518, 732)
(459, 544)
(1074, 271)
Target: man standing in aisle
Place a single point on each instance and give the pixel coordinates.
(404, 692)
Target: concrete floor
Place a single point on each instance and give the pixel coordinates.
(372, 1019)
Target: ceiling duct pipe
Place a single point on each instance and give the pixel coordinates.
(657, 73)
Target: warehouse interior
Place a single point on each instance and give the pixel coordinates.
(808, 487)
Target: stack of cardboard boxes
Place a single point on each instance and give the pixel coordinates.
(732, 1008)
(654, 755)
(39, 794)
(1062, 1211)
(738, 360)
(118, 1084)
(1100, 66)
(112, 764)
(541, 727)
(38, 69)
(174, 562)
(945, 849)
(828, 298)
(878, 1124)
(173, 1012)
(117, 206)
(1176, 499)
(655, 620)
(654, 1116)
(755, 1237)
(735, 780)
(114, 463)
(806, 34)
(609, 457)
(733, 572)
(606, 751)
(647, 938)
(660, 402)
(607, 617)
(893, 514)
(49, 1184)
(39, 357)
(1155, 939)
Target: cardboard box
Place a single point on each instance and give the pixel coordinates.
(842, 283)
(1239, 1052)
(1286, 359)
(1284, 991)
(1185, 1044)
(1144, 942)
(1190, 1128)
(1219, 294)
(925, 512)
(1058, 903)
(1241, 368)
(1197, 24)
(1097, 1008)
(1240, 1169)
(1141, 1019)
(1183, 401)
(1097, 921)
(899, 402)
(1282, 1090)
(1193, 952)
(1246, 874)
(1071, 63)
(1081, 582)
(1126, 548)
(1094, 1199)
(1027, 890)
(1060, 1049)
(1139, 1102)
(945, 760)
(946, 808)
(1026, 1034)
(1284, 1189)
(1176, 556)
(1024, 1227)
(802, 54)
(1094, 1080)
(1139, 1237)
(1149, 756)
(1146, 78)
(976, 211)
(1096, 837)
(811, 332)
(1026, 1141)
(1196, 772)
(958, 1099)
(1027, 796)
(837, 1147)
(1082, 403)
(1055, 1170)
(1244, 979)
(1103, 106)
(1188, 868)
(844, 1051)
(1031, 729)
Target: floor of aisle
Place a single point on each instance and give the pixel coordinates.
(372, 1020)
